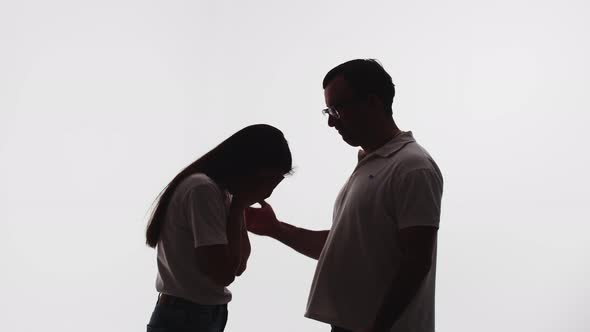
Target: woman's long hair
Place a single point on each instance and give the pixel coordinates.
(256, 147)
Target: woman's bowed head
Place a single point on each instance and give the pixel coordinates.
(249, 165)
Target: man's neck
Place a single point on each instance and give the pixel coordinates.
(380, 138)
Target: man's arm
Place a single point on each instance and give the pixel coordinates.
(304, 241)
(417, 244)
(263, 221)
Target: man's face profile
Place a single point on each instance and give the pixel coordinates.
(340, 95)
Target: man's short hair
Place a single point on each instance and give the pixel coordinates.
(365, 76)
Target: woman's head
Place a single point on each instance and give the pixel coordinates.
(249, 164)
(254, 150)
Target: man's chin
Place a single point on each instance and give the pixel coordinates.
(350, 140)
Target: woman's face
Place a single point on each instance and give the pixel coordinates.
(260, 186)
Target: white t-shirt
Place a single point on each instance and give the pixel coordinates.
(197, 216)
(397, 186)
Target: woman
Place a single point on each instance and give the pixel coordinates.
(198, 227)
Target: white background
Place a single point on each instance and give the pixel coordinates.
(103, 102)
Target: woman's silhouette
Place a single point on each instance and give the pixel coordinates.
(198, 228)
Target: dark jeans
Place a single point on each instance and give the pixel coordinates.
(339, 329)
(188, 317)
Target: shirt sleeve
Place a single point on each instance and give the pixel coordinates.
(418, 196)
(207, 215)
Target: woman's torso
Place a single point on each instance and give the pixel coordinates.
(196, 216)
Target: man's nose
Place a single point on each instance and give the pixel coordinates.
(331, 121)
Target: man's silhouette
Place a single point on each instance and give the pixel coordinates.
(376, 265)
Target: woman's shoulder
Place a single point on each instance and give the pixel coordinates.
(199, 182)
(199, 179)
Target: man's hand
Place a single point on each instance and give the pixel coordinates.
(262, 221)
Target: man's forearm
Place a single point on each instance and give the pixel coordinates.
(307, 242)
(403, 289)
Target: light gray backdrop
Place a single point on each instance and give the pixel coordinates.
(103, 102)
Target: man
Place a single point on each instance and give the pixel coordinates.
(376, 265)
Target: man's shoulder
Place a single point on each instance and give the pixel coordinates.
(413, 157)
(412, 153)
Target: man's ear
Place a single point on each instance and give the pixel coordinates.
(374, 102)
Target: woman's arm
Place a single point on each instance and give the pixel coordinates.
(245, 252)
(221, 262)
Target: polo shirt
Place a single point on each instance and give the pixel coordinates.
(396, 186)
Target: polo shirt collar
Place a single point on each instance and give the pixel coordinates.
(394, 145)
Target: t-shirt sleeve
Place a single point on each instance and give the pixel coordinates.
(207, 215)
(418, 196)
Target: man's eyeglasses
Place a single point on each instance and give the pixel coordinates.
(333, 110)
